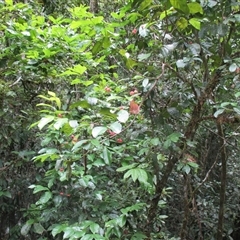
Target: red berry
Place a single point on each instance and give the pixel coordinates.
(134, 31)
(107, 89)
(119, 140)
(61, 169)
(132, 93)
(61, 193)
(60, 115)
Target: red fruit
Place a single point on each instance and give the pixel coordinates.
(119, 140)
(134, 31)
(111, 133)
(132, 93)
(60, 115)
(107, 89)
(61, 193)
(134, 108)
(68, 195)
(61, 169)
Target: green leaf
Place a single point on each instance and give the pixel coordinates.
(143, 56)
(218, 112)
(186, 169)
(94, 227)
(123, 116)
(38, 188)
(107, 112)
(195, 7)
(182, 23)
(236, 110)
(96, 131)
(116, 127)
(44, 121)
(25, 229)
(180, 5)
(38, 228)
(106, 155)
(174, 137)
(44, 198)
(79, 144)
(9, 2)
(138, 236)
(195, 23)
(60, 122)
(59, 228)
(137, 174)
(233, 67)
(124, 168)
(97, 47)
(82, 104)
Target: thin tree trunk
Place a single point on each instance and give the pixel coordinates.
(223, 182)
(94, 6)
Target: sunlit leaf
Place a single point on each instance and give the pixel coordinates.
(44, 121)
(195, 7)
(123, 116)
(180, 5)
(116, 127)
(96, 131)
(195, 23)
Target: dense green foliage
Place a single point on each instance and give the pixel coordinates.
(119, 120)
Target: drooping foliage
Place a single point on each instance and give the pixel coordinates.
(119, 120)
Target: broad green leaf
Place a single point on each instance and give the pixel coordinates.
(116, 127)
(25, 229)
(236, 110)
(96, 131)
(233, 67)
(195, 23)
(7, 194)
(60, 122)
(186, 169)
(94, 227)
(174, 137)
(124, 168)
(106, 155)
(73, 123)
(38, 188)
(58, 229)
(123, 116)
(44, 121)
(82, 104)
(143, 56)
(38, 228)
(180, 5)
(137, 174)
(107, 112)
(182, 23)
(195, 7)
(79, 144)
(193, 164)
(9, 2)
(130, 63)
(97, 47)
(237, 94)
(68, 232)
(44, 198)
